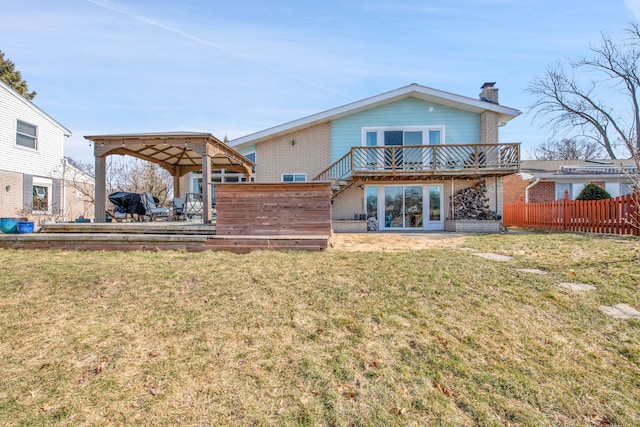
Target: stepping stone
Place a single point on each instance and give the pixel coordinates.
(532, 270)
(620, 311)
(494, 257)
(577, 286)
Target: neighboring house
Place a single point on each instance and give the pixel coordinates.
(31, 150)
(547, 180)
(78, 190)
(394, 159)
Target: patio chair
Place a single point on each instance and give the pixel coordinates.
(152, 211)
(178, 208)
(193, 206)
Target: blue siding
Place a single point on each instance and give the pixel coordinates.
(461, 127)
(246, 150)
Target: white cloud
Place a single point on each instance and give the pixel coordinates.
(634, 7)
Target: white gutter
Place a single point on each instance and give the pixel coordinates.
(526, 190)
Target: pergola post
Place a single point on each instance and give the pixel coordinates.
(206, 188)
(100, 189)
(176, 182)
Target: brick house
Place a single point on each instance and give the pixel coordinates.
(547, 180)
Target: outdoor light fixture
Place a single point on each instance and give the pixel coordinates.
(360, 187)
(102, 144)
(293, 142)
(8, 187)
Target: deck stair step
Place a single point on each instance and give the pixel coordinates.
(184, 228)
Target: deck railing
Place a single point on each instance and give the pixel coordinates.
(445, 159)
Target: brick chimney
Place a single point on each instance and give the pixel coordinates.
(489, 93)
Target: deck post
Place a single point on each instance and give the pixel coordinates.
(100, 189)
(206, 188)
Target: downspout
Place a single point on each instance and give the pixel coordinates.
(526, 190)
(64, 189)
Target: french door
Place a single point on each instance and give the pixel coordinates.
(404, 207)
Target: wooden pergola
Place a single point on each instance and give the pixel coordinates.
(177, 152)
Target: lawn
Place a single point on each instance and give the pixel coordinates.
(429, 336)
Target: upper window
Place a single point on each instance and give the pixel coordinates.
(412, 135)
(294, 177)
(26, 135)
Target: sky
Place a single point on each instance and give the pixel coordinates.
(232, 68)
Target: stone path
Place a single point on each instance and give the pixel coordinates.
(532, 270)
(577, 286)
(618, 311)
(494, 257)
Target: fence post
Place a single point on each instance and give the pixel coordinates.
(634, 207)
(566, 215)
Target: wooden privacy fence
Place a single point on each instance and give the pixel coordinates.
(293, 208)
(619, 215)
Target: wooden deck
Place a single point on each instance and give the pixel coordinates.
(250, 217)
(117, 241)
(192, 237)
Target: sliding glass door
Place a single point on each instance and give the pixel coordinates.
(404, 207)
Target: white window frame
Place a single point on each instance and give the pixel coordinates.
(293, 177)
(44, 183)
(34, 137)
(427, 223)
(380, 130)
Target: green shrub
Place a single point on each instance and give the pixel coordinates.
(593, 192)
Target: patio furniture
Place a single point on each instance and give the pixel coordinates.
(152, 211)
(126, 204)
(193, 206)
(178, 208)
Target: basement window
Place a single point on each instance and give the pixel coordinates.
(40, 198)
(294, 177)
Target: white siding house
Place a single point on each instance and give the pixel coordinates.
(31, 150)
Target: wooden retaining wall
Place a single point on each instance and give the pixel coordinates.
(274, 209)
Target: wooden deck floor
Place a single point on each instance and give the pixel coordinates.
(155, 236)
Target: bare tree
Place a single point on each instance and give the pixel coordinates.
(591, 108)
(122, 174)
(568, 149)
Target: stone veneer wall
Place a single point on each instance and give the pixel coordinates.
(472, 226)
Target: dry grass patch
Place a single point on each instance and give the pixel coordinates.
(423, 337)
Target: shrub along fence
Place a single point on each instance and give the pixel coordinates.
(618, 215)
